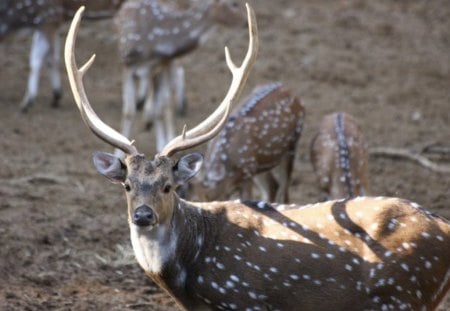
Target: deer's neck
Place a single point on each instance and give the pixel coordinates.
(168, 252)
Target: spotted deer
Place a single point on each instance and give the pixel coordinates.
(45, 18)
(257, 143)
(365, 253)
(152, 35)
(340, 158)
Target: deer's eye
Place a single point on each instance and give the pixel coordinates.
(167, 188)
(127, 187)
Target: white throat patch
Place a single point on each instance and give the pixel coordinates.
(151, 248)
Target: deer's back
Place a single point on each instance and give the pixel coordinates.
(260, 130)
(149, 30)
(15, 15)
(330, 256)
(339, 156)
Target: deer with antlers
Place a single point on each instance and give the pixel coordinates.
(45, 18)
(366, 253)
(257, 145)
(152, 35)
(340, 158)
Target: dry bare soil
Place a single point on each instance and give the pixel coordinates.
(63, 230)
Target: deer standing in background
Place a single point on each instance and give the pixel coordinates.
(258, 142)
(45, 18)
(340, 158)
(360, 254)
(152, 34)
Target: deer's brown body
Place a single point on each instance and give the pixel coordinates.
(340, 158)
(152, 35)
(258, 142)
(231, 256)
(360, 254)
(45, 18)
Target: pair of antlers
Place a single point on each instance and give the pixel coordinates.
(203, 132)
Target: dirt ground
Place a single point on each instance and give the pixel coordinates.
(64, 241)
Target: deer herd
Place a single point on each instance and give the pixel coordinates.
(350, 252)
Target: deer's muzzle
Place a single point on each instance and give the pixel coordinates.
(143, 216)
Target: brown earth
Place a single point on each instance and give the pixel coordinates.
(63, 230)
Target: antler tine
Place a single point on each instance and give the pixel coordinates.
(212, 125)
(90, 118)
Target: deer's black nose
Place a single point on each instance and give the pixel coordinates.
(143, 216)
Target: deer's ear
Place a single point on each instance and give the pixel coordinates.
(110, 166)
(187, 167)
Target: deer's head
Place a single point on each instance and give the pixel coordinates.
(150, 184)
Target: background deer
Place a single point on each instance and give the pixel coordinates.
(45, 18)
(366, 253)
(340, 158)
(258, 142)
(152, 34)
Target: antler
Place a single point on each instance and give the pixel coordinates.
(211, 126)
(90, 118)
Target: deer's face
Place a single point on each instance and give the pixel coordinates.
(149, 185)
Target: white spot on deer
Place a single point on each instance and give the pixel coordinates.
(262, 249)
(330, 256)
(419, 294)
(200, 240)
(348, 267)
(428, 264)
(214, 285)
(315, 256)
(392, 225)
(387, 254)
(440, 238)
(252, 295)
(405, 267)
(306, 277)
(294, 276)
(220, 266)
(426, 235)
(234, 278)
(200, 279)
(237, 257)
(415, 205)
(273, 269)
(399, 288)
